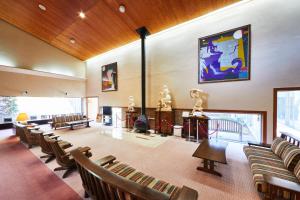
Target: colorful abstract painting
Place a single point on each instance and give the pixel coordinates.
(225, 56)
(109, 77)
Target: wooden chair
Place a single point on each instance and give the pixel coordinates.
(46, 147)
(63, 158)
(20, 133)
(28, 138)
(100, 183)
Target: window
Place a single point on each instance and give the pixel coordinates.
(37, 107)
(287, 116)
(235, 126)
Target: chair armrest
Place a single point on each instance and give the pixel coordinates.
(48, 134)
(106, 160)
(81, 149)
(260, 144)
(84, 149)
(64, 144)
(187, 193)
(54, 137)
(282, 183)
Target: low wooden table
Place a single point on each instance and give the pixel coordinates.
(211, 152)
(79, 122)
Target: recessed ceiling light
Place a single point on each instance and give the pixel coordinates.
(122, 9)
(81, 15)
(42, 7)
(72, 40)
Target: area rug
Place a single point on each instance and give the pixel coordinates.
(170, 161)
(147, 140)
(24, 176)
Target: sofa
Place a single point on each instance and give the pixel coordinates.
(60, 121)
(280, 160)
(109, 179)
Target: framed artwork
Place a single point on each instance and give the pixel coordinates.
(225, 56)
(109, 77)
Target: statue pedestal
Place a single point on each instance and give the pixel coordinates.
(131, 116)
(164, 122)
(195, 128)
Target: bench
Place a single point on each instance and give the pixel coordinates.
(109, 179)
(61, 121)
(79, 122)
(274, 165)
(226, 125)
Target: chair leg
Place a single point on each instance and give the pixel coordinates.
(68, 172)
(86, 195)
(59, 168)
(45, 156)
(50, 158)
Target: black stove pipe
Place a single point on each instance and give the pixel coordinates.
(143, 32)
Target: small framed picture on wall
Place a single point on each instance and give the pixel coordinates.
(225, 56)
(109, 77)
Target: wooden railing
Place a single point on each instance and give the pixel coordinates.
(226, 125)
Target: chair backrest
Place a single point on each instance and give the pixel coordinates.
(45, 146)
(100, 183)
(61, 156)
(20, 131)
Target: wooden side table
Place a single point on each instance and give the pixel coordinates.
(164, 122)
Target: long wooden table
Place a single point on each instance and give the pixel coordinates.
(211, 152)
(79, 122)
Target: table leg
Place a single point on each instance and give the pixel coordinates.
(87, 124)
(209, 167)
(72, 128)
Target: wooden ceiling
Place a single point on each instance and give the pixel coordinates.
(104, 27)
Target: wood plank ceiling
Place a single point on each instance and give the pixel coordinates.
(104, 27)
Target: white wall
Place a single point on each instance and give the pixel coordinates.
(13, 82)
(172, 60)
(22, 50)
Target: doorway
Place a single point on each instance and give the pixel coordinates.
(92, 104)
(286, 111)
(117, 117)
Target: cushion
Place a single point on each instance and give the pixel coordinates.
(291, 156)
(276, 169)
(297, 171)
(130, 173)
(279, 145)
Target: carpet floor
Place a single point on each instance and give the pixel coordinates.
(24, 176)
(171, 161)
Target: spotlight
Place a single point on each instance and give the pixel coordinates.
(42, 7)
(72, 40)
(122, 9)
(81, 15)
